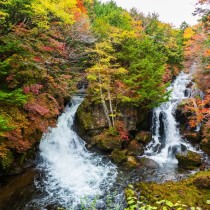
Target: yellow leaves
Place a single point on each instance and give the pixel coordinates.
(63, 10)
(188, 33)
(118, 35)
(3, 15)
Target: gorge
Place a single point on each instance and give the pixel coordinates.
(102, 108)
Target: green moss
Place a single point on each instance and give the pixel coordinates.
(107, 142)
(118, 155)
(185, 191)
(205, 145)
(189, 160)
(85, 117)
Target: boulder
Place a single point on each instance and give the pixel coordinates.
(149, 163)
(144, 137)
(189, 160)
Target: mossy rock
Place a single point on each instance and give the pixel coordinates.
(119, 156)
(144, 137)
(205, 145)
(108, 143)
(185, 191)
(202, 182)
(84, 117)
(189, 160)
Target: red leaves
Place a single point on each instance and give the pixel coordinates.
(47, 48)
(123, 132)
(34, 89)
(36, 109)
(37, 59)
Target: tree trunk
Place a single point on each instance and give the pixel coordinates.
(106, 112)
(111, 109)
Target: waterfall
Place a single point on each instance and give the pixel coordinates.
(166, 140)
(71, 173)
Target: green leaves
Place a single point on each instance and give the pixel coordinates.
(4, 125)
(14, 97)
(145, 66)
(107, 16)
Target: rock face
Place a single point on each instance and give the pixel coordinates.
(90, 119)
(91, 125)
(189, 160)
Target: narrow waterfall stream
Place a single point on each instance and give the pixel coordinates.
(167, 141)
(72, 174)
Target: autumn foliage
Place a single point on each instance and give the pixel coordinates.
(36, 76)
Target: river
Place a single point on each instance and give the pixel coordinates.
(68, 175)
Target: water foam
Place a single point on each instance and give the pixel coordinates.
(71, 172)
(167, 140)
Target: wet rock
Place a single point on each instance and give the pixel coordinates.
(144, 137)
(149, 163)
(118, 156)
(202, 182)
(183, 148)
(157, 148)
(173, 150)
(135, 148)
(162, 119)
(189, 159)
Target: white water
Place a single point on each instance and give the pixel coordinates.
(167, 140)
(72, 174)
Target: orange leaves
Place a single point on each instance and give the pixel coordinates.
(206, 53)
(81, 10)
(81, 6)
(198, 109)
(204, 1)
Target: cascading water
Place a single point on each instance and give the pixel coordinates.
(72, 174)
(167, 140)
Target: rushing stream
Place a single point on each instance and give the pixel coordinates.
(167, 141)
(72, 174)
(69, 176)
